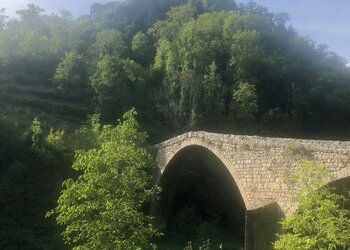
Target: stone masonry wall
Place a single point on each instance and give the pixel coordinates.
(259, 164)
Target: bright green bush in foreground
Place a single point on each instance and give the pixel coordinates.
(322, 220)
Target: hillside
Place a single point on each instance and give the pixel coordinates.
(203, 65)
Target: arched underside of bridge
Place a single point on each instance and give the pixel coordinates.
(198, 175)
(198, 190)
(341, 186)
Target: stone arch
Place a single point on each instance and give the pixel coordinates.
(258, 166)
(165, 156)
(196, 178)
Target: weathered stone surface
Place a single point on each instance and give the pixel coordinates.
(259, 165)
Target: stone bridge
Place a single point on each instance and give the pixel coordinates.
(258, 166)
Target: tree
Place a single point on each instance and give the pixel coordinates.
(246, 98)
(103, 207)
(192, 59)
(142, 48)
(213, 101)
(119, 84)
(70, 72)
(109, 86)
(31, 15)
(109, 42)
(36, 133)
(214, 5)
(3, 18)
(321, 221)
(176, 17)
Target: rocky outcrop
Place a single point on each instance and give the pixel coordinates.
(97, 10)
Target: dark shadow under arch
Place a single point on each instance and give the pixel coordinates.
(341, 186)
(197, 186)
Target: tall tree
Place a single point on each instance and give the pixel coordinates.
(103, 207)
(70, 73)
(142, 48)
(108, 42)
(246, 101)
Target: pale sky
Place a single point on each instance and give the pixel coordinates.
(325, 21)
(77, 7)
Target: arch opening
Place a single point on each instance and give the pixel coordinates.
(341, 185)
(199, 201)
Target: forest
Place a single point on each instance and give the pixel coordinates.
(211, 65)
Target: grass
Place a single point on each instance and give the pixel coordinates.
(21, 101)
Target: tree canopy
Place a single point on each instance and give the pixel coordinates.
(179, 63)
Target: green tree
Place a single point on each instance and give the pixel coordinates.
(36, 133)
(31, 15)
(109, 42)
(55, 138)
(87, 136)
(322, 221)
(103, 207)
(142, 48)
(29, 177)
(189, 57)
(110, 87)
(70, 73)
(176, 17)
(213, 101)
(214, 5)
(119, 84)
(246, 98)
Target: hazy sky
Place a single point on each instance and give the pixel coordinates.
(325, 21)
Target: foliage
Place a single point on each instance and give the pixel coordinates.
(246, 98)
(322, 221)
(109, 86)
(178, 62)
(70, 73)
(142, 48)
(108, 42)
(118, 84)
(205, 245)
(29, 176)
(87, 136)
(55, 138)
(102, 208)
(36, 133)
